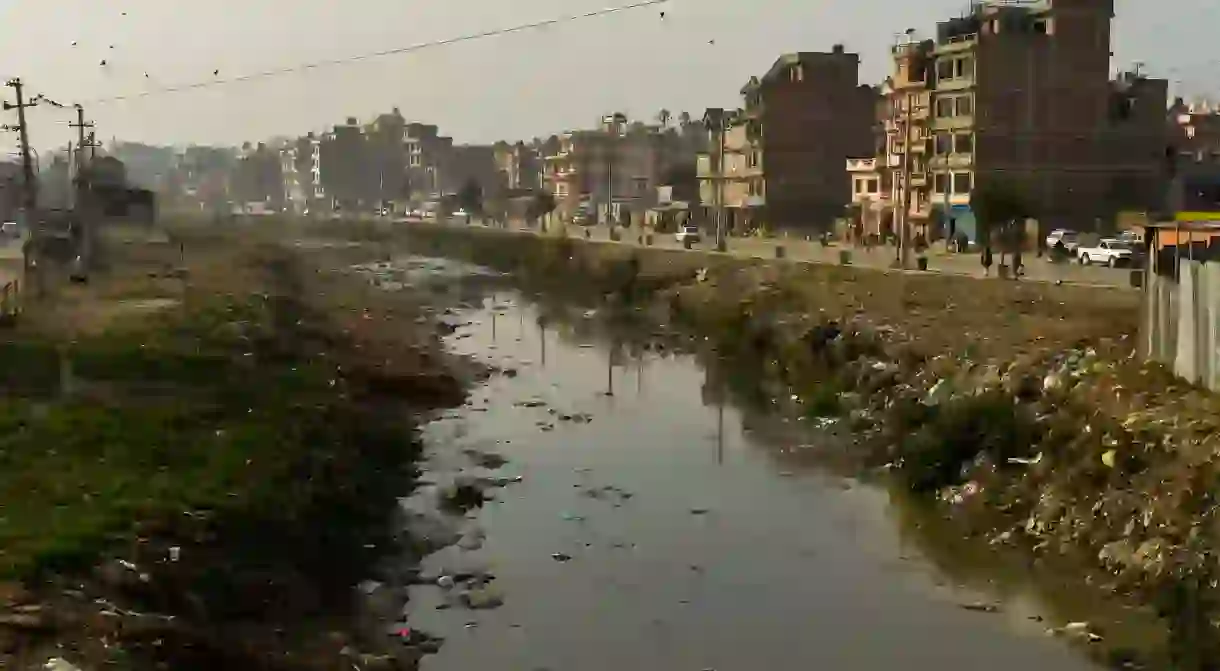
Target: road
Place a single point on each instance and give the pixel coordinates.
(939, 260)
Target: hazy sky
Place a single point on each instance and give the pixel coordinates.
(508, 87)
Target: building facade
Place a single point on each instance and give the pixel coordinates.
(778, 161)
(518, 166)
(619, 163)
(1019, 95)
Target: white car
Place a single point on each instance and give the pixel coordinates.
(687, 233)
(1110, 251)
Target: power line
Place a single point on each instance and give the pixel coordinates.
(266, 74)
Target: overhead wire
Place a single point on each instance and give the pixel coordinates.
(421, 46)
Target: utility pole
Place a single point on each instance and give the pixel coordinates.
(81, 143)
(905, 240)
(27, 165)
(30, 191)
(723, 175)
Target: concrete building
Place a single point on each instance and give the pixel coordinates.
(519, 167)
(778, 161)
(619, 162)
(1017, 93)
(387, 153)
(425, 151)
(1194, 138)
(471, 163)
(346, 169)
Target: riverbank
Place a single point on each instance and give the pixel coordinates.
(1022, 408)
(200, 463)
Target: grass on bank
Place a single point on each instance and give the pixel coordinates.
(222, 410)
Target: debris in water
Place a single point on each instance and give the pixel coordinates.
(561, 557)
(980, 607)
(699, 511)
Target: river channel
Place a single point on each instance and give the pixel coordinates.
(647, 523)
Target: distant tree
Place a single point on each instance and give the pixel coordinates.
(664, 117)
(470, 197)
(999, 210)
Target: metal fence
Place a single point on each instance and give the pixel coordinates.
(1181, 321)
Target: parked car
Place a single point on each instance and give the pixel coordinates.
(1071, 239)
(687, 233)
(1110, 251)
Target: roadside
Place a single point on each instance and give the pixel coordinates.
(199, 464)
(798, 250)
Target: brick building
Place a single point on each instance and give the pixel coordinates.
(619, 161)
(779, 159)
(1021, 94)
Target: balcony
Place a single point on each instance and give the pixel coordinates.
(960, 122)
(957, 44)
(951, 161)
(861, 165)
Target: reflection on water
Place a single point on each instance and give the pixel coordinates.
(673, 532)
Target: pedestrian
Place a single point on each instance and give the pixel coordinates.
(1017, 265)
(987, 259)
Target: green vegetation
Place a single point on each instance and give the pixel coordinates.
(230, 418)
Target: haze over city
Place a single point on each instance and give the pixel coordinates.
(521, 85)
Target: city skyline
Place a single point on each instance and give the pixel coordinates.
(538, 82)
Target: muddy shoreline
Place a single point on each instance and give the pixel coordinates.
(1032, 431)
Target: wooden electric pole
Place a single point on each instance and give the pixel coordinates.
(81, 143)
(31, 269)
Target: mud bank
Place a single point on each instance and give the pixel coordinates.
(205, 487)
(1020, 409)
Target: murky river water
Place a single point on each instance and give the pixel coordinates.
(651, 530)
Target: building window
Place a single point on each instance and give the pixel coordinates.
(944, 107)
(797, 73)
(963, 67)
(752, 159)
(944, 144)
(944, 70)
(963, 182)
(940, 182)
(857, 186)
(963, 143)
(965, 105)
(873, 186)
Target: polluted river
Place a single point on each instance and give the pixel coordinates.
(614, 507)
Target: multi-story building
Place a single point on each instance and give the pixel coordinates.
(778, 161)
(619, 163)
(902, 146)
(1021, 95)
(468, 163)
(425, 151)
(345, 168)
(384, 138)
(1194, 138)
(518, 166)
